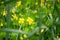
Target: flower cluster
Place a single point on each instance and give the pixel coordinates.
(30, 21)
(21, 21)
(26, 15)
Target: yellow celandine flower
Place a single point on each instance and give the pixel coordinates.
(42, 30)
(36, 3)
(42, 5)
(4, 13)
(48, 5)
(42, 1)
(14, 16)
(25, 36)
(18, 4)
(30, 21)
(12, 10)
(21, 21)
(2, 2)
(50, 14)
(21, 38)
(1, 24)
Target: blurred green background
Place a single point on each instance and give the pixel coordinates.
(29, 19)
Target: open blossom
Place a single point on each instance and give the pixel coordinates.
(18, 4)
(21, 21)
(13, 10)
(2, 2)
(42, 30)
(36, 3)
(4, 13)
(42, 1)
(21, 38)
(15, 16)
(49, 5)
(1, 24)
(30, 21)
(25, 36)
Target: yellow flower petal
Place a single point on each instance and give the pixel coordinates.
(25, 36)
(14, 16)
(36, 3)
(21, 21)
(12, 10)
(42, 30)
(2, 2)
(1, 24)
(30, 21)
(21, 38)
(4, 13)
(48, 5)
(50, 14)
(18, 4)
(42, 5)
(42, 1)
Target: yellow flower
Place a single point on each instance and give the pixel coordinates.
(4, 13)
(48, 5)
(59, 1)
(30, 21)
(50, 14)
(36, 3)
(14, 16)
(18, 4)
(42, 1)
(25, 36)
(21, 21)
(2, 2)
(1, 24)
(12, 10)
(42, 30)
(21, 38)
(42, 4)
